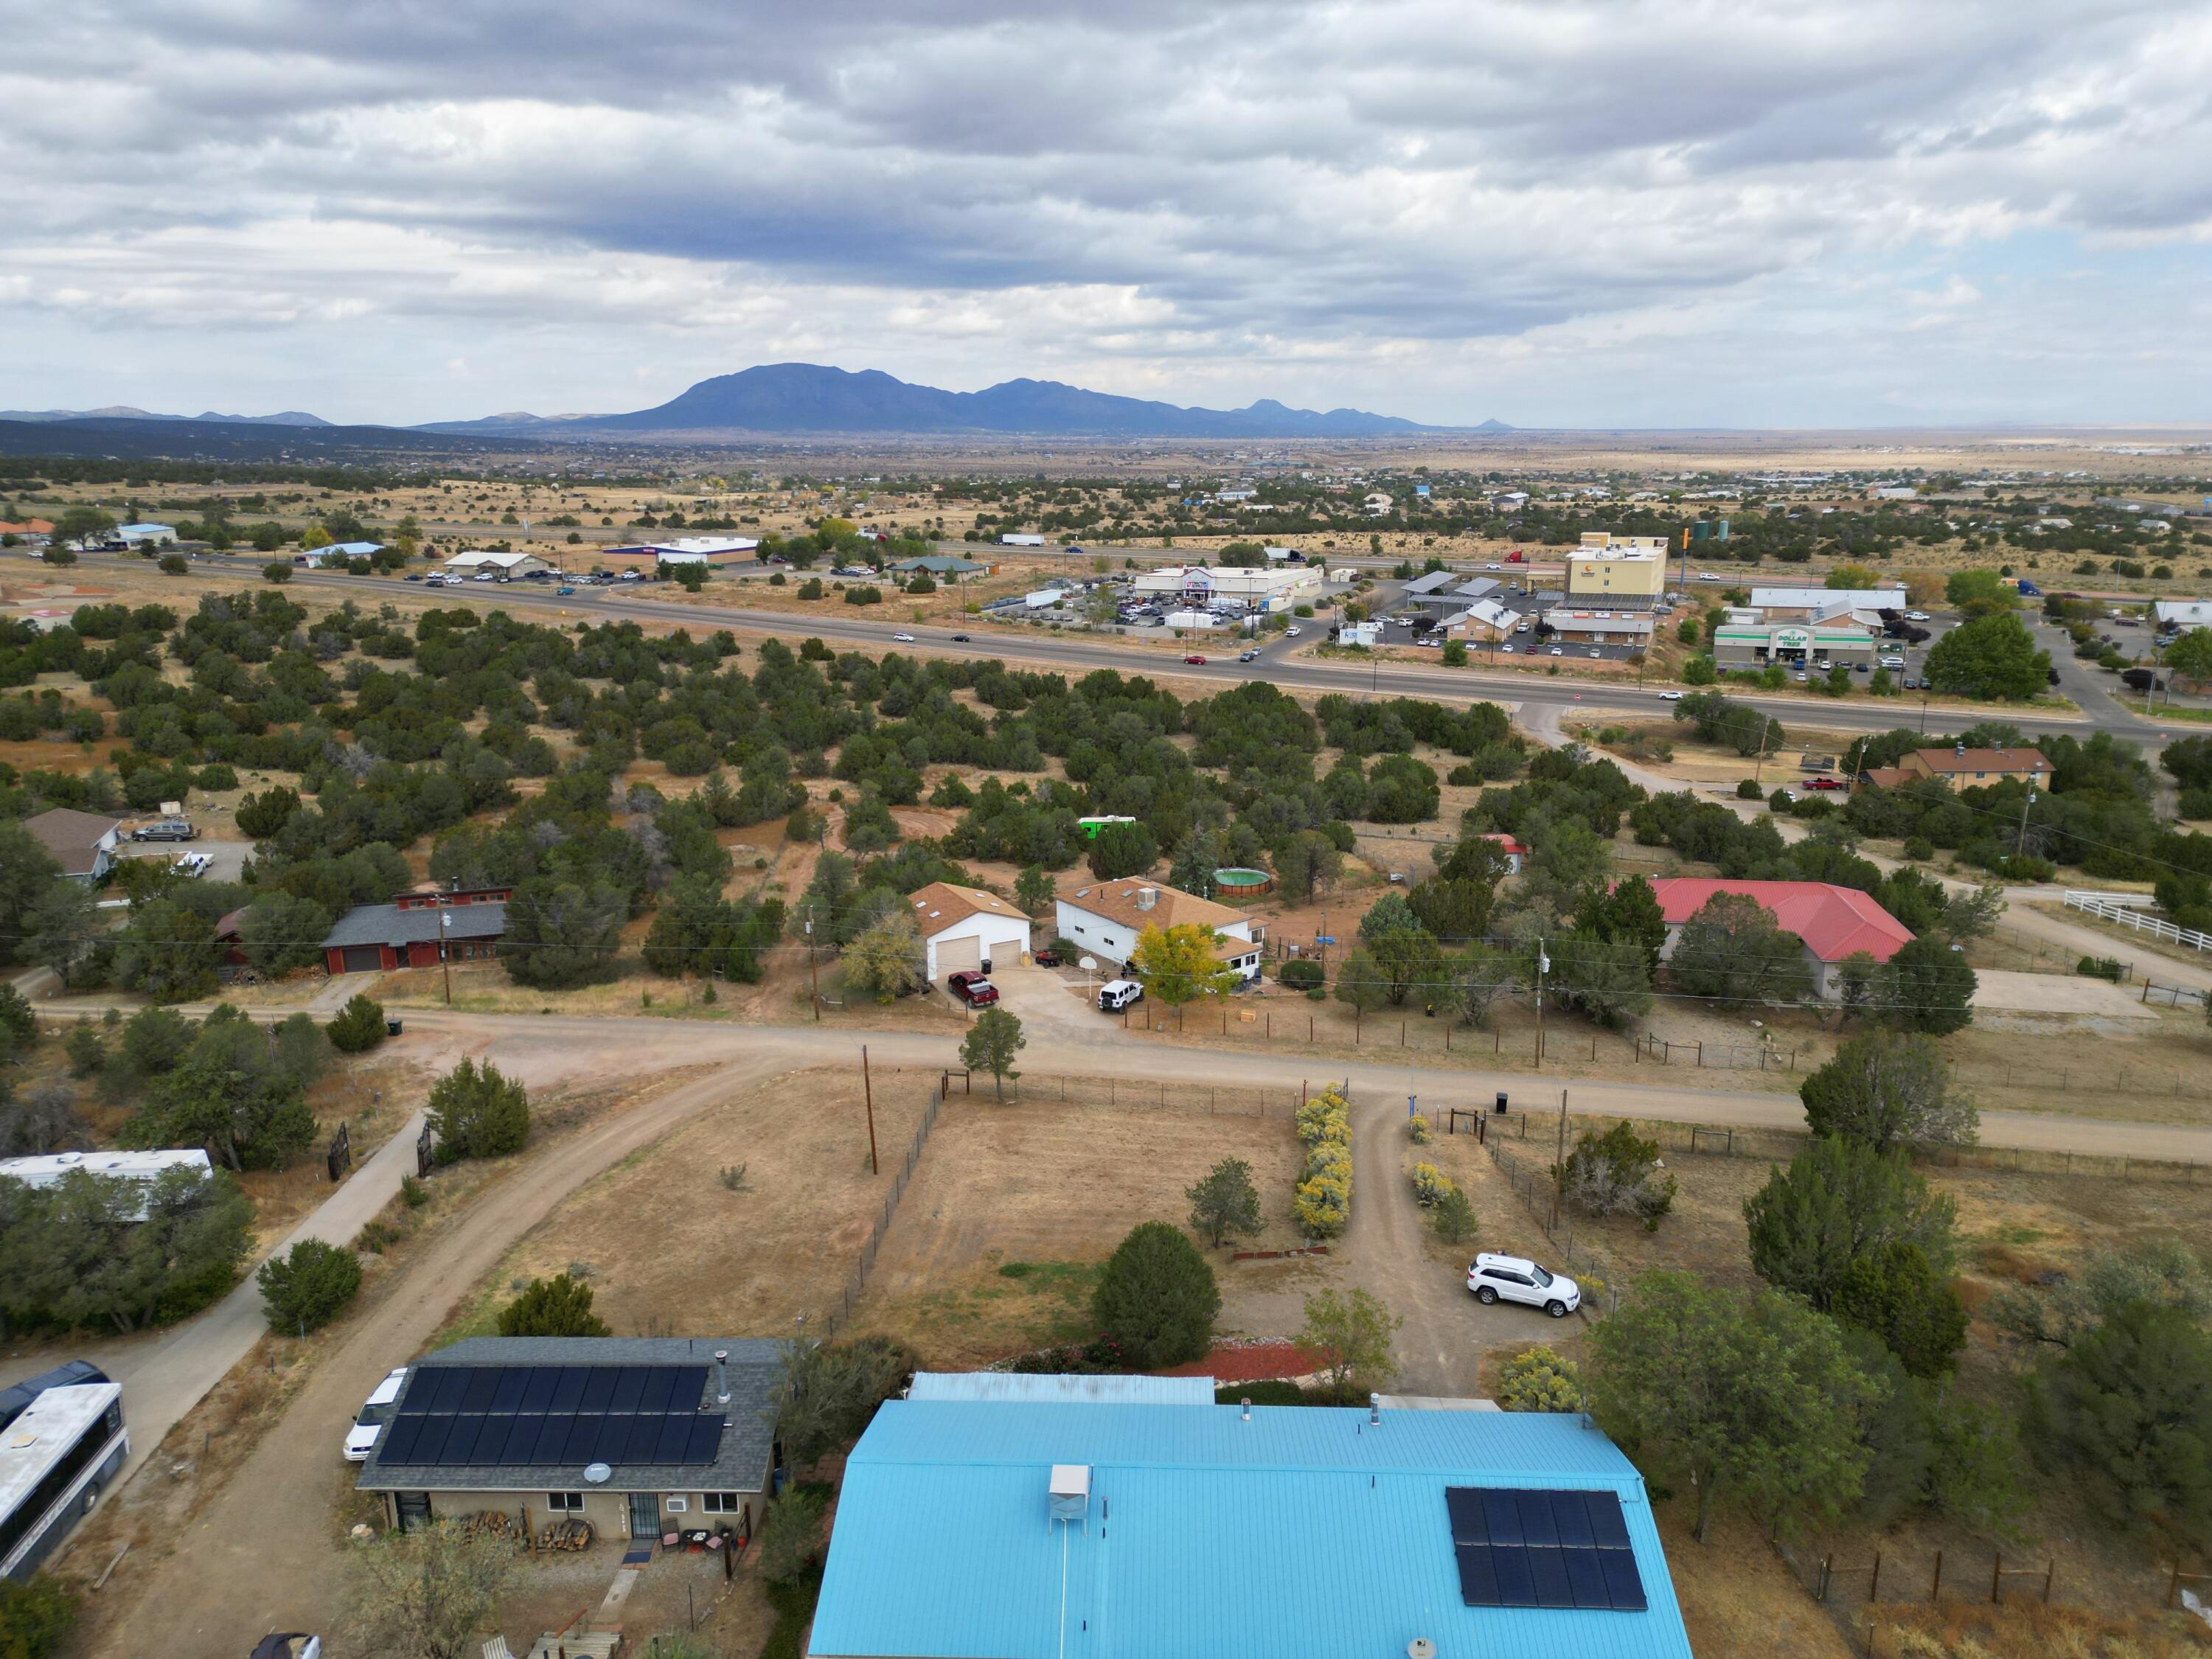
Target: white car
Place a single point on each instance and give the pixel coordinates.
(1558, 651)
(1707, 576)
(486, 576)
(192, 865)
(1493, 567)
(1670, 696)
(1516, 1279)
(1917, 615)
(375, 1412)
(1291, 632)
(1893, 662)
(1507, 649)
(904, 639)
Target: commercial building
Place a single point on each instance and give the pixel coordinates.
(1104, 919)
(341, 552)
(965, 927)
(1579, 625)
(1263, 587)
(83, 843)
(146, 535)
(1485, 622)
(2184, 613)
(1446, 592)
(712, 551)
(1961, 768)
(1084, 1527)
(1869, 605)
(942, 566)
(419, 930)
(639, 1436)
(479, 561)
(1755, 645)
(1833, 923)
(1629, 572)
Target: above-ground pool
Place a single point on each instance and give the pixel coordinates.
(1236, 884)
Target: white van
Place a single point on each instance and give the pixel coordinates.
(1118, 994)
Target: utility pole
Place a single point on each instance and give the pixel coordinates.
(1543, 967)
(1559, 1169)
(868, 1094)
(2021, 849)
(813, 972)
(445, 949)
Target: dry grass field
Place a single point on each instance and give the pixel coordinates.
(1013, 1207)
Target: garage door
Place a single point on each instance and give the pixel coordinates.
(362, 958)
(955, 954)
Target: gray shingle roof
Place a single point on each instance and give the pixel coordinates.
(748, 1435)
(387, 924)
(71, 837)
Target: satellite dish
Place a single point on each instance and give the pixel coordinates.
(596, 1474)
(1089, 964)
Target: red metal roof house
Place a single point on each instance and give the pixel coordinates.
(1833, 922)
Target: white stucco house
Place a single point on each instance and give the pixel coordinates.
(967, 927)
(1103, 918)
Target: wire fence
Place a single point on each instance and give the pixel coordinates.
(1032, 1089)
(857, 1279)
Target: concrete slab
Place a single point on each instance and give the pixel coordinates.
(2003, 991)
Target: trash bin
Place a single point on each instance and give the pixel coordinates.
(1501, 1102)
(392, 1029)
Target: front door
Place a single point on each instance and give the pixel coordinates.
(645, 1514)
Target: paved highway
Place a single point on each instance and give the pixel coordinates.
(1275, 665)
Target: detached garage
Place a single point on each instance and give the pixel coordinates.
(965, 927)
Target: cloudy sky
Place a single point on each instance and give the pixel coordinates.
(1631, 212)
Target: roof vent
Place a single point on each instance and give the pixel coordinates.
(1374, 1410)
(1147, 897)
(1246, 1403)
(722, 1377)
(596, 1474)
(1070, 1491)
(1421, 1648)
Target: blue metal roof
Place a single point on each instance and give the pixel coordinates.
(1303, 1531)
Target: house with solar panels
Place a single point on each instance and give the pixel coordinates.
(639, 1436)
(1005, 1526)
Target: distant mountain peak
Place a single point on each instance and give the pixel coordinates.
(812, 398)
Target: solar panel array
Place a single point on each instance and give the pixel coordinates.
(476, 1415)
(1543, 1549)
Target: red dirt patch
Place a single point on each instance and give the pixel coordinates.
(1250, 1362)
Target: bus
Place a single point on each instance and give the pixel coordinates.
(55, 1458)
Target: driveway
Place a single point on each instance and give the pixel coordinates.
(229, 856)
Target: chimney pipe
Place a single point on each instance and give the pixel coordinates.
(1374, 1410)
(722, 1377)
(1247, 1404)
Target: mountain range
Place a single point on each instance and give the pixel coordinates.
(809, 399)
(125, 412)
(770, 400)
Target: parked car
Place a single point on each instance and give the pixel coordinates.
(1917, 615)
(1825, 783)
(192, 865)
(1115, 994)
(375, 1412)
(1496, 1278)
(972, 988)
(1195, 662)
(166, 829)
(1893, 662)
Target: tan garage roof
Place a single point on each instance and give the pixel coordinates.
(1171, 907)
(941, 905)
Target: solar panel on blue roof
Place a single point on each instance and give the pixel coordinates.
(1608, 1530)
(1623, 1584)
(506, 1396)
(1464, 1504)
(1585, 1578)
(1537, 1527)
(537, 1391)
(482, 1384)
(1516, 1585)
(1548, 1572)
(629, 1384)
(706, 1437)
(398, 1444)
(569, 1389)
(598, 1388)
(1478, 1582)
(1571, 1515)
(1502, 1511)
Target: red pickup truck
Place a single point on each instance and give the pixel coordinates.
(972, 988)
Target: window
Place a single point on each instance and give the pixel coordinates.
(722, 1503)
(677, 1506)
(564, 1500)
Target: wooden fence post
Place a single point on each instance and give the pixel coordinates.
(1996, 1577)
(1936, 1585)
(1873, 1584)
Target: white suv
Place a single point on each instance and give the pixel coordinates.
(1516, 1279)
(375, 1412)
